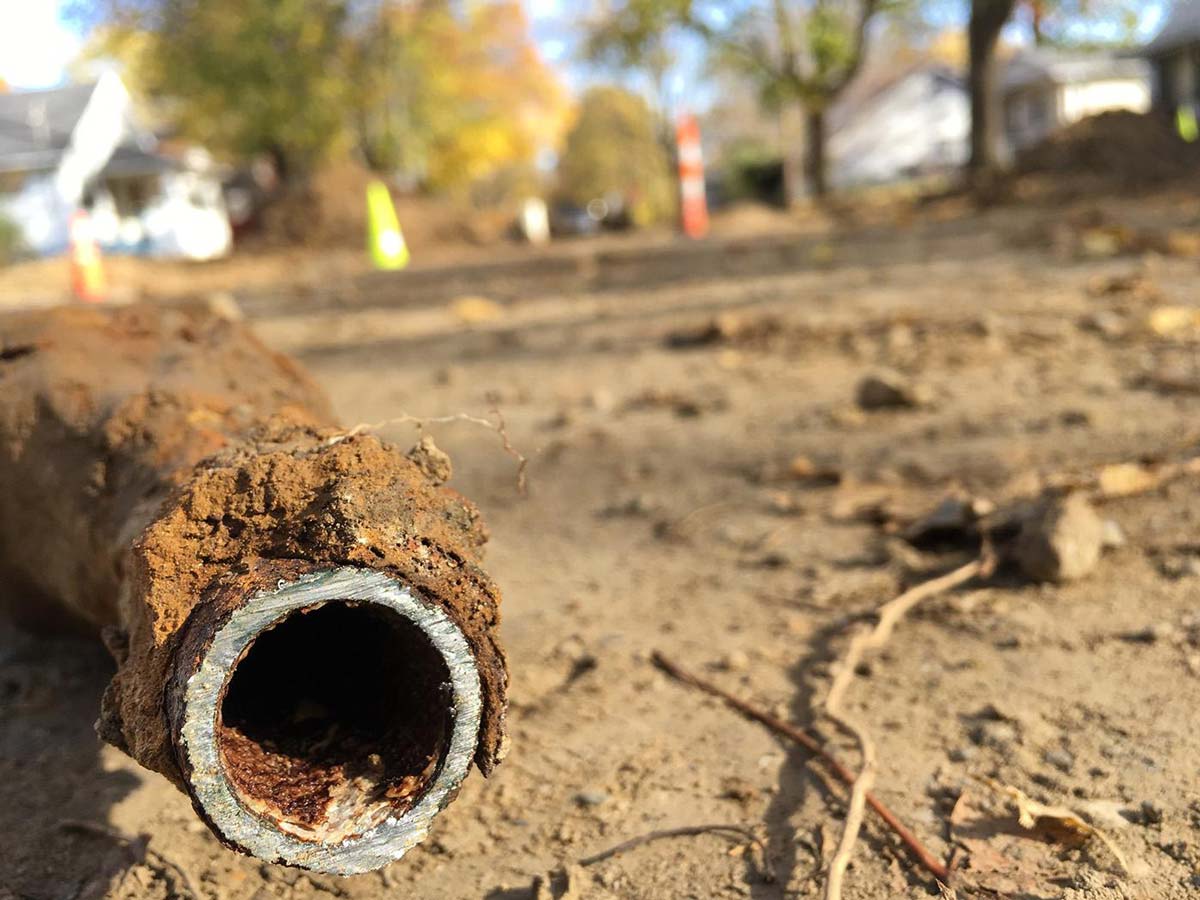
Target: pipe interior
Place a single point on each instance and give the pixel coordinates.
(334, 719)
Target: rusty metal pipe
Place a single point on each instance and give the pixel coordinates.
(305, 642)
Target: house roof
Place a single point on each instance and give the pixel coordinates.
(36, 126)
(874, 83)
(36, 129)
(1182, 27)
(1041, 65)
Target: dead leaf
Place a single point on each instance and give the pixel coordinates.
(1123, 479)
(1170, 321)
(473, 310)
(1057, 823)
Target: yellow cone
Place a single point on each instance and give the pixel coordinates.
(1186, 124)
(384, 239)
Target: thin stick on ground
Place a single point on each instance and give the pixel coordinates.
(733, 832)
(497, 426)
(866, 640)
(915, 848)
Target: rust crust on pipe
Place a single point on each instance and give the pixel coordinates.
(165, 478)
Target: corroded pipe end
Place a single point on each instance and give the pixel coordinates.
(325, 722)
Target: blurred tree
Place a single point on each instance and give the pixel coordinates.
(243, 77)
(454, 95)
(459, 97)
(612, 149)
(986, 21)
(636, 35)
(801, 52)
(1062, 22)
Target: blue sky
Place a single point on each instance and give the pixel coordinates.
(36, 43)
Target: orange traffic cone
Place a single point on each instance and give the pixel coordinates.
(694, 203)
(87, 268)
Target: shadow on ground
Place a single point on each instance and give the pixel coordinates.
(55, 795)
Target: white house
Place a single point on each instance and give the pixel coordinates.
(914, 123)
(80, 147)
(1175, 56)
(1046, 90)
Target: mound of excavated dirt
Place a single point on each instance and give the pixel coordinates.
(330, 211)
(1128, 147)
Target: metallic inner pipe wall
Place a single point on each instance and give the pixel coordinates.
(167, 480)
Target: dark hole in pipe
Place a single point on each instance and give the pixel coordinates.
(334, 719)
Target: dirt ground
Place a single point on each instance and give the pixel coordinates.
(703, 483)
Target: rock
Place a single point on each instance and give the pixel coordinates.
(734, 661)
(1150, 813)
(602, 400)
(1113, 534)
(1060, 759)
(952, 521)
(891, 390)
(431, 460)
(591, 797)
(1171, 321)
(801, 468)
(473, 310)
(1106, 323)
(1061, 540)
(1124, 479)
(739, 789)
(997, 734)
(448, 375)
(1151, 634)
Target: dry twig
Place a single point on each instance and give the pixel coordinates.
(866, 640)
(497, 426)
(733, 832)
(918, 851)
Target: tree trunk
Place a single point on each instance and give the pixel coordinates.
(983, 32)
(815, 164)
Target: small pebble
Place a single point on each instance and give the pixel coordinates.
(1152, 813)
(1113, 534)
(591, 797)
(734, 661)
(997, 735)
(1060, 759)
(891, 390)
(1061, 541)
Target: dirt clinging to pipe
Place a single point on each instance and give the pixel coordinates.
(179, 465)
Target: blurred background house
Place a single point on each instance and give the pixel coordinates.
(1174, 55)
(911, 124)
(1045, 90)
(80, 146)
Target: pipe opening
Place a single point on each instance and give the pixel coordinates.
(335, 719)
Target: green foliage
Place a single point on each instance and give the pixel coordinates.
(12, 246)
(750, 170)
(463, 98)
(250, 77)
(455, 95)
(613, 148)
(792, 51)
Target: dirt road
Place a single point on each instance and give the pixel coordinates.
(673, 433)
